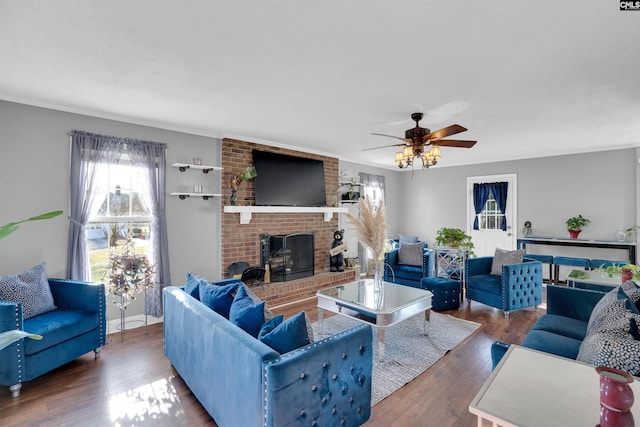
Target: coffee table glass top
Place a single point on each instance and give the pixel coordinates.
(360, 294)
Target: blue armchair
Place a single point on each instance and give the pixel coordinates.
(77, 326)
(406, 274)
(519, 285)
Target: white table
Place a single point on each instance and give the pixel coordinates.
(593, 277)
(358, 300)
(531, 388)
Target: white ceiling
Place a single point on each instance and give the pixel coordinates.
(527, 78)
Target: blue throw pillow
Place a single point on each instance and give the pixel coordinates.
(218, 298)
(270, 325)
(192, 285)
(246, 314)
(287, 336)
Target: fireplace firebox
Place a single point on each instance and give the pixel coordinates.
(289, 257)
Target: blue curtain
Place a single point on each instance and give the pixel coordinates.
(480, 196)
(500, 194)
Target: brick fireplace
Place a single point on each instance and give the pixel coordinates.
(241, 242)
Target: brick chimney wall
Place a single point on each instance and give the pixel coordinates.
(241, 242)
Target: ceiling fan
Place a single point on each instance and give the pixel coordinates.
(416, 139)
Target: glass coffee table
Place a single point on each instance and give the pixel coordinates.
(358, 300)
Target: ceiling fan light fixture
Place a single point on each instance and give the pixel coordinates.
(435, 151)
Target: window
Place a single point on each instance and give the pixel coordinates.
(491, 217)
(122, 215)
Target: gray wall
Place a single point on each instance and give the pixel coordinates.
(34, 178)
(601, 186)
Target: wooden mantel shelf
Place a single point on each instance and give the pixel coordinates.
(246, 211)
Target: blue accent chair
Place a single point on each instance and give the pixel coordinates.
(519, 285)
(409, 275)
(76, 327)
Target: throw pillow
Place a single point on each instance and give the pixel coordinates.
(246, 314)
(288, 335)
(503, 257)
(192, 285)
(218, 298)
(268, 314)
(613, 349)
(613, 301)
(270, 325)
(407, 239)
(410, 254)
(31, 289)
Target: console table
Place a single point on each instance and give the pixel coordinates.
(531, 388)
(630, 247)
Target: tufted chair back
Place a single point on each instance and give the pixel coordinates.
(519, 285)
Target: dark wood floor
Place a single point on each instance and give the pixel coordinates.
(132, 384)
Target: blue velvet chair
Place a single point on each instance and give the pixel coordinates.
(77, 326)
(409, 275)
(519, 285)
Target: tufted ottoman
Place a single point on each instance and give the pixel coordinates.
(446, 292)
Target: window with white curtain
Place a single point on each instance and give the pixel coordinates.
(122, 213)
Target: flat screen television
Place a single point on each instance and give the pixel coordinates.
(284, 180)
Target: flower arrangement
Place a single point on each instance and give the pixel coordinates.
(127, 274)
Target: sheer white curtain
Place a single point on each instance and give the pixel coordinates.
(373, 190)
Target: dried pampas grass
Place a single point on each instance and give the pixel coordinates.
(371, 227)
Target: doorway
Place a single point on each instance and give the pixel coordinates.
(492, 227)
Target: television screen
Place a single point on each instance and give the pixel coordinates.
(284, 180)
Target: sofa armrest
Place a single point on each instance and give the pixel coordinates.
(428, 263)
(328, 382)
(574, 303)
(479, 265)
(391, 257)
(10, 316)
(78, 295)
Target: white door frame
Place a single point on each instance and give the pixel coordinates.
(512, 219)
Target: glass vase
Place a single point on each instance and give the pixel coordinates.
(378, 284)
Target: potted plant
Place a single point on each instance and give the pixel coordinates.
(625, 272)
(575, 225)
(455, 238)
(351, 194)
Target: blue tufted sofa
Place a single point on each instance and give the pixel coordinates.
(76, 327)
(563, 328)
(409, 275)
(519, 285)
(242, 382)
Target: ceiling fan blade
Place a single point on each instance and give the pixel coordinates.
(444, 132)
(454, 143)
(385, 146)
(391, 136)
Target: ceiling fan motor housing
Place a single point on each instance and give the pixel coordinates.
(416, 132)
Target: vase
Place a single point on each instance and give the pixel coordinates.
(611, 418)
(234, 197)
(626, 274)
(378, 284)
(615, 392)
(621, 235)
(574, 233)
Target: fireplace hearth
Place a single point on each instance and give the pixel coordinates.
(290, 257)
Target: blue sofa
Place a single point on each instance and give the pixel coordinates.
(563, 328)
(76, 327)
(410, 275)
(242, 382)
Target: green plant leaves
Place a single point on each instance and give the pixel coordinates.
(9, 228)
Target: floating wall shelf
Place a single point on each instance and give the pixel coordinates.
(204, 168)
(246, 211)
(205, 196)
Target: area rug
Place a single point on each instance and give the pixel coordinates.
(408, 352)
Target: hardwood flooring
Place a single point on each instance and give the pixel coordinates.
(132, 384)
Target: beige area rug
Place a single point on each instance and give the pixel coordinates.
(408, 352)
